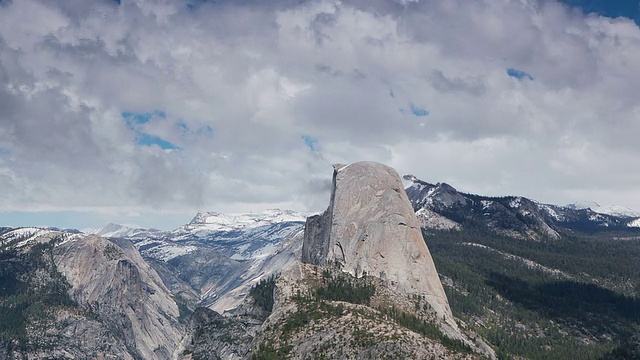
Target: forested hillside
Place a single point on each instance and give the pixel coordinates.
(575, 297)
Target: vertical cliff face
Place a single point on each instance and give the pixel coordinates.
(370, 227)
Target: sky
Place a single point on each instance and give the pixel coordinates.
(146, 111)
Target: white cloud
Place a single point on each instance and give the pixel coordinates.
(242, 84)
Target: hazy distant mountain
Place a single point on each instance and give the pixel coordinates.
(619, 211)
(112, 230)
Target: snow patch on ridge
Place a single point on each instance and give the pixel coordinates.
(516, 202)
(635, 223)
(213, 221)
(486, 204)
(112, 230)
(614, 210)
(23, 236)
(431, 220)
(170, 251)
(551, 211)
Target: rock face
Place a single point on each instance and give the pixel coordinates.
(213, 336)
(38, 318)
(113, 281)
(370, 226)
(79, 296)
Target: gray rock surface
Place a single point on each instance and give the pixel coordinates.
(370, 226)
(114, 282)
(213, 336)
(432, 220)
(39, 319)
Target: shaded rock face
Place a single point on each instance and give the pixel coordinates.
(370, 226)
(213, 336)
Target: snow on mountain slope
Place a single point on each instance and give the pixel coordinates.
(218, 257)
(614, 210)
(619, 211)
(239, 236)
(20, 237)
(163, 251)
(213, 221)
(112, 230)
(511, 215)
(283, 256)
(634, 223)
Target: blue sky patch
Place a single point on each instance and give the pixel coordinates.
(135, 122)
(609, 8)
(311, 142)
(185, 130)
(133, 118)
(518, 74)
(150, 140)
(418, 111)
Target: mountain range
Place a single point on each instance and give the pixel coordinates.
(222, 285)
(440, 206)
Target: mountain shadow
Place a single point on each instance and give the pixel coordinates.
(588, 307)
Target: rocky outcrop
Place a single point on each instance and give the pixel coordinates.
(432, 220)
(115, 283)
(213, 336)
(307, 325)
(39, 317)
(370, 227)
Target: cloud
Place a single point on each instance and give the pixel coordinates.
(442, 83)
(174, 106)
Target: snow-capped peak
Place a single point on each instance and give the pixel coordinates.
(619, 211)
(226, 222)
(120, 230)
